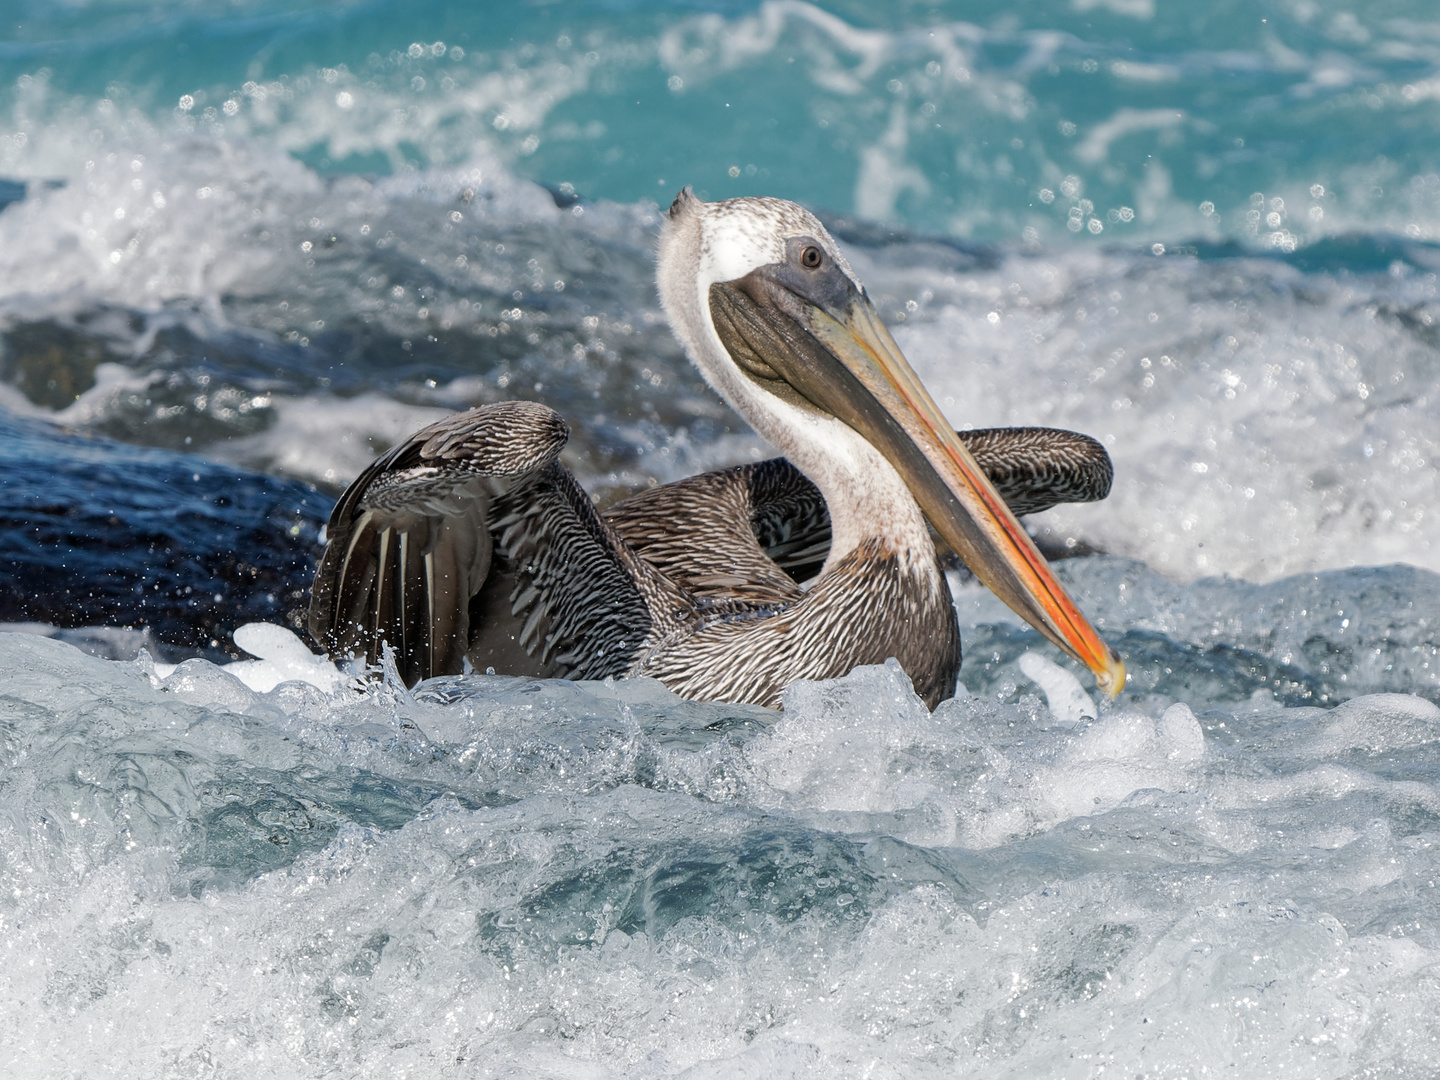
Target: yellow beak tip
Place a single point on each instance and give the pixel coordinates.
(1110, 679)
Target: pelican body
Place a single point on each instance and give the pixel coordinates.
(471, 542)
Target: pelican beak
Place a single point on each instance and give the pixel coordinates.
(823, 338)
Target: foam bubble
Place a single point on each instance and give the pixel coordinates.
(1069, 704)
(282, 657)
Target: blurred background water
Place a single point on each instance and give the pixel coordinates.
(246, 246)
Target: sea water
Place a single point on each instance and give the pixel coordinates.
(246, 246)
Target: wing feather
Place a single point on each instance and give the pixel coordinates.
(470, 533)
(732, 532)
(1036, 468)
(701, 532)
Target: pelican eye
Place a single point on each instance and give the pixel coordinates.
(810, 258)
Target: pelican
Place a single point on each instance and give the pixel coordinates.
(470, 542)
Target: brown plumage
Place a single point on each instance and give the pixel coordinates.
(471, 541)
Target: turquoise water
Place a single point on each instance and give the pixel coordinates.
(245, 247)
(951, 117)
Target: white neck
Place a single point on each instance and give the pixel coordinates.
(866, 497)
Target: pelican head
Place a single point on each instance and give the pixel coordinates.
(777, 323)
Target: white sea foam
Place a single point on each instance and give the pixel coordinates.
(1068, 701)
(1255, 439)
(568, 881)
(166, 217)
(280, 657)
(328, 440)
